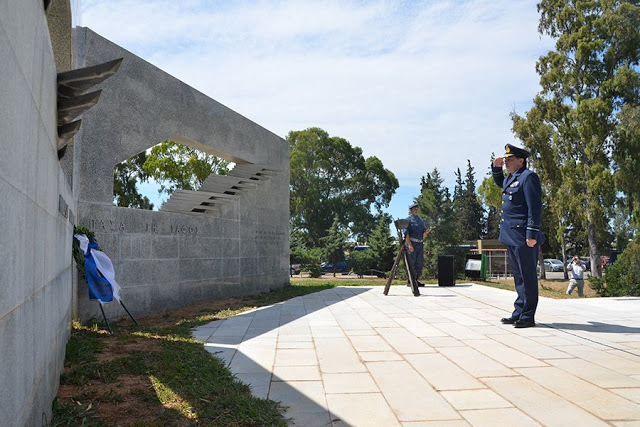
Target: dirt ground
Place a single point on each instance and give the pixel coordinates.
(131, 400)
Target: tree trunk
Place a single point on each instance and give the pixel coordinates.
(564, 254)
(543, 273)
(596, 269)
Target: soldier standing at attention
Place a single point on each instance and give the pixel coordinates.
(414, 239)
(520, 229)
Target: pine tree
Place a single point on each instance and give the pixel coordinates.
(335, 243)
(437, 212)
(383, 244)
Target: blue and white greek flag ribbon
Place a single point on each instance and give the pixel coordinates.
(101, 277)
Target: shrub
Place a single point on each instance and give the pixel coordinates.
(310, 260)
(622, 278)
(362, 262)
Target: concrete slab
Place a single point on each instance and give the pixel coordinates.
(350, 356)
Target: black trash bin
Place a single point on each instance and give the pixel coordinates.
(446, 270)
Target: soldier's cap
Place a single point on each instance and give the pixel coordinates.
(513, 151)
(413, 205)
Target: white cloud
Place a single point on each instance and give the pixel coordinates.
(419, 84)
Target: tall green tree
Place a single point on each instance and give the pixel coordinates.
(436, 209)
(331, 177)
(490, 196)
(585, 81)
(626, 156)
(176, 166)
(335, 243)
(469, 214)
(383, 245)
(126, 176)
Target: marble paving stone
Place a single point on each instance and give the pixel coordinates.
(475, 363)
(632, 394)
(598, 401)
(296, 357)
(259, 383)
(284, 338)
(294, 344)
(336, 355)
(439, 423)
(376, 356)
(296, 373)
(360, 409)
(460, 332)
(225, 354)
(530, 347)
(503, 354)
(404, 341)
(441, 373)
(420, 328)
(605, 359)
(327, 332)
(475, 399)
(303, 396)
(402, 385)
(349, 383)
(539, 403)
(442, 342)
(595, 374)
(360, 332)
(369, 343)
(498, 417)
(461, 318)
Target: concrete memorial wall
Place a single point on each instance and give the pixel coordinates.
(36, 213)
(231, 238)
(203, 244)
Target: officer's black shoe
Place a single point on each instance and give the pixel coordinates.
(524, 323)
(508, 320)
(420, 284)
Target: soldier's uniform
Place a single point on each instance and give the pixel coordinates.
(416, 230)
(521, 215)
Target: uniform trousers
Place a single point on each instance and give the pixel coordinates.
(417, 257)
(524, 262)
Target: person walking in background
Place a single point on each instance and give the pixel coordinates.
(414, 239)
(520, 229)
(577, 269)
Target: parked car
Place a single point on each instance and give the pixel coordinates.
(553, 265)
(341, 267)
(586, 261)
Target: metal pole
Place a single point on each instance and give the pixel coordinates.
(104, 316)
(125, 309)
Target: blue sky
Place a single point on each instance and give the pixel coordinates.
(418, 84)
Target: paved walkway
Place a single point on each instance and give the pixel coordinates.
(350, 356)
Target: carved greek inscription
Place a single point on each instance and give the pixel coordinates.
(269, 237)
(184, 229)
(114, 226)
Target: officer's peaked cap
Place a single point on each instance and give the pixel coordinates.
(511, 150)
(413, 205)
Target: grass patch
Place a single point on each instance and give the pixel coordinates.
(157, 374)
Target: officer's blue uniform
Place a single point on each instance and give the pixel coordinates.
(521, 217)
(416, 230)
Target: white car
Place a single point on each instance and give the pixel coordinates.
(553, 265)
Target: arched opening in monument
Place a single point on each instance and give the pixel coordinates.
(148, 179)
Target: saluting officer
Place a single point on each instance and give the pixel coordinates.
(520, 229)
